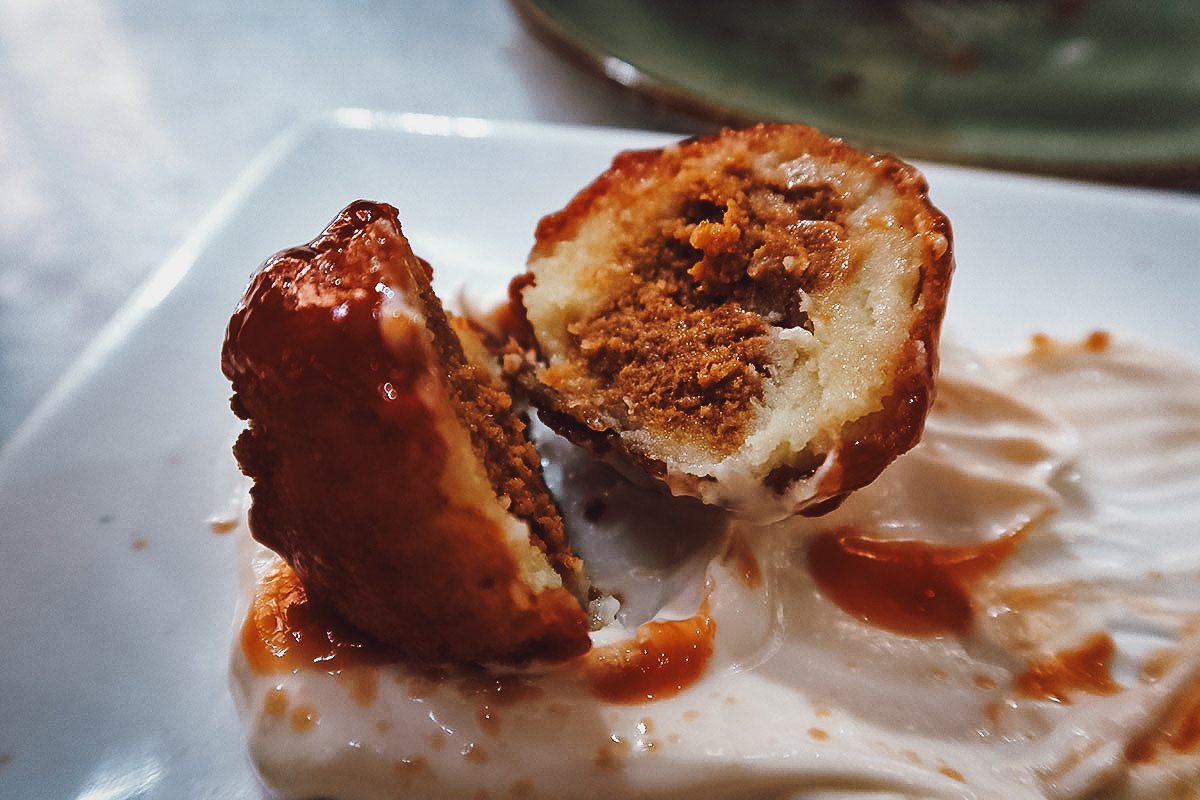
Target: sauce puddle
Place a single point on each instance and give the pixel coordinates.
(906, 586)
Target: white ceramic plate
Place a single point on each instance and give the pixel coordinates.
(116, 598)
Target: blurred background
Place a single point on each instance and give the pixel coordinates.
(122, 121)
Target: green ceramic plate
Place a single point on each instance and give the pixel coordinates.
(1101, 88)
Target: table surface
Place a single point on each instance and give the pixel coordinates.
(123, 121)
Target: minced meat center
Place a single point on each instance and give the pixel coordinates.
(684, 347)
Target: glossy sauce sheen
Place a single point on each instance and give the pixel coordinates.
(905, 586)
(360, 402)
(1085, 668)
(661, 660)
(285, 631)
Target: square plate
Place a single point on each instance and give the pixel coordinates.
(118, 598)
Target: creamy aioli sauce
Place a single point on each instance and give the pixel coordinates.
(1012, 610)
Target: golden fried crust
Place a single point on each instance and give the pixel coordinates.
(356, 392)
(752, 317)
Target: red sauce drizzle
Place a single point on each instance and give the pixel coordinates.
(906, 586)
(285, 630)
(740, 557)
(1085, 668)
(1179, 729)
(661, 660)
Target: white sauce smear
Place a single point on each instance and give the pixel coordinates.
(1076, 673)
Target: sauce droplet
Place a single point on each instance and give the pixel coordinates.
(661, 660)
(285, 630)
(906, 586)
(304, 718)
(950, 772)
(1178, 729)
(1085, 668)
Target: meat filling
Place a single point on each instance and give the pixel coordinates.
(687, 347)
(509, 459)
